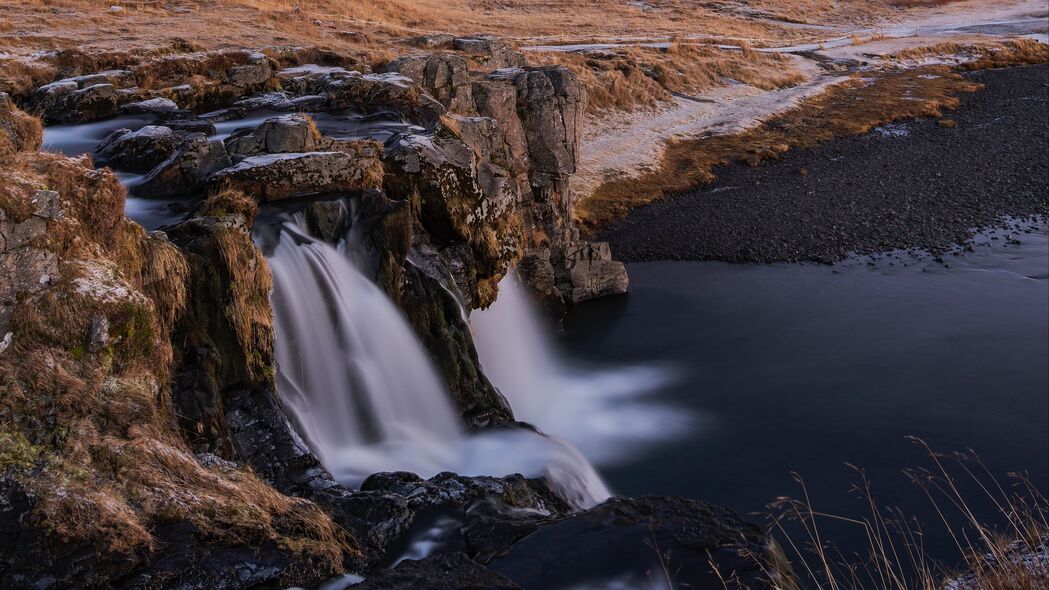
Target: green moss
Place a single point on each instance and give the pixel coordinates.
(16, 452)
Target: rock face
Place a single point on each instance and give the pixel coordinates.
(142, 440)
(186, 170)
(97, 483)
(271, 177)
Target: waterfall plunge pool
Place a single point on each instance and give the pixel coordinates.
(804, 368)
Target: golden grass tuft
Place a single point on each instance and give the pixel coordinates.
(19, 131)
(247, 306)
(953, 484)
(850, 108)
(230, 201)
(1014, 52)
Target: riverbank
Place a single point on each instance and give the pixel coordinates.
(923, 183)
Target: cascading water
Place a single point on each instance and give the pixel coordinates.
(365, 395)
(350, 368)
(596, 410)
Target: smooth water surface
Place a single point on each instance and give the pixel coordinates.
(805, 368)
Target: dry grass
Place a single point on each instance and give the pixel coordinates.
(19, 132)
(247, 305)
(641, 77)
(370, 24)
(1014, 52)
(86, 422)
(849, 108)
(954, 484)
(230, 201)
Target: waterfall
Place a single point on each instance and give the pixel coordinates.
(602, 411)
(349, 366)
(363, 392)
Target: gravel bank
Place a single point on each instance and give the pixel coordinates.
(916, 184)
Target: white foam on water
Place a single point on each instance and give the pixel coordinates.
(364, 393)
(602, 412)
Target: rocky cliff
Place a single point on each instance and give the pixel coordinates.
(144, 444)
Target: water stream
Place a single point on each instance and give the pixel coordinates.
(364, 393)
(605, 412)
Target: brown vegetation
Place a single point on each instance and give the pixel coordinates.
(849, 108)
(27, 25)
(1011, 557)
(19, 132)
(645, 77)
(982, 56)
(86, 423)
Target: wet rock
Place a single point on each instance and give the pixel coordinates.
(137, 151)
(280, 135)
(447, 489)
(444, 76)
(625, 539)
(389, 91)
(185, 171)
(283, 101)
(271, 177)
(438, 572)
(185, 123)
(593, 273)
(329, 220)
(65, 102)
(153, 105)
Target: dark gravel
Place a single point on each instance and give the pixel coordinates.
(913, 184)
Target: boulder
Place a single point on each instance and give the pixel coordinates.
(445, 76)
(492, 52)
(271, 177)
(185, 171)
(385, 91)
(137, 151)
(592, 273)
(279, 135)
(434, 41)
(65, 102)
(151, 106)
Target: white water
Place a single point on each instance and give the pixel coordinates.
(366, 396)
(602, 412)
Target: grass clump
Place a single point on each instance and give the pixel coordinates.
(631, 78)
(87, 425)
(1012, 556)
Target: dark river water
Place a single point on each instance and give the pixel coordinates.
(807, 368)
